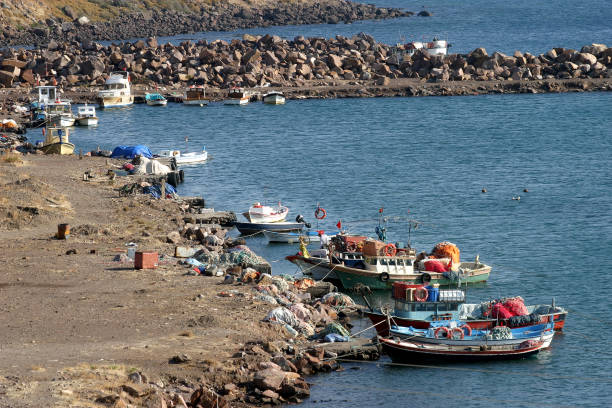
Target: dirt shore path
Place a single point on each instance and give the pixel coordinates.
(74, 325)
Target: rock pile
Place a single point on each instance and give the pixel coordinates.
(217, 17)
(257, 60)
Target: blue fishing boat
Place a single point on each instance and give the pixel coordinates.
(454, 341)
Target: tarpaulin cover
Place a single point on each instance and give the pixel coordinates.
(435, 266)
(155, 190)
(129, 152)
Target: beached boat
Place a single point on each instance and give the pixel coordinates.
(263, 213)
(57, 141)
(196, 96)
(86, 116)
(251, 228)
(450, 342)
(274, 98)
(418, 306)
(237, 96)
(155, 99)
(117, 91)
(185, 158)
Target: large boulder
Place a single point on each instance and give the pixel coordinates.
(269, 379)
(93, 67)
(477, 57)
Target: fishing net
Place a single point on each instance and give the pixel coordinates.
(336, 299)
(335, 328)
(500, 333)
(516, 306)
(282, 315)
(446, 250)
(526, 320)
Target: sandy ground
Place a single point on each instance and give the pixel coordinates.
(73, 326)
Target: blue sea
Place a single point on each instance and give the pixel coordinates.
(428, 159)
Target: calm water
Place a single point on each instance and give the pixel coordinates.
(524, 25)
(429, 158)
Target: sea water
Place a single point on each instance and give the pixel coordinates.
(427, 159)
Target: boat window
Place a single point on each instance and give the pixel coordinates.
(400, 262)
(383, 261)
(391, 261)
(372, 261)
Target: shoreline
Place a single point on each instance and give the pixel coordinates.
(83, 327)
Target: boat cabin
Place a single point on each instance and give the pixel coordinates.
(47, 94)
(195, 93)
(56, 135)
(419, 302)
(237, 93)
(86, 111)
(118, 83)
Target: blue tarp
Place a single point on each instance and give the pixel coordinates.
(129, 152)
(155, 190)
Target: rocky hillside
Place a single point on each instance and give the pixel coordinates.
(28, 22)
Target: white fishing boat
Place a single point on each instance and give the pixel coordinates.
(185, 158)
(292, 237)
(155, 99)
(117, 91)
(274, 98)
(237, 96)
(86, 116)
(57, 111)
(195, 96)
(434, 47)
(265, 214)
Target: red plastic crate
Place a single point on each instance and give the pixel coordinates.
(145, 260)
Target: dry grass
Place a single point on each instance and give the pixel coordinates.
(11, 158)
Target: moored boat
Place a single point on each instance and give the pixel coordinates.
(292, 237)
(155, 99)
(251, 228)
(264, 213)
(54, 110)
(185, 158)
(274, 98)
(237, 96)
(195, 96)
(117, 91)
(458, 344)
(57, 141)
(419, 306)
(86, 116)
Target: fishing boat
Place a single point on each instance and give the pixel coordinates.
(259, 213)
(274, 98)
(185, 158)
(52, 109)
(155, 99)
(292, 237)
(57, 141)
(117, 91)
(419, 306)
(251, 228)
(195, 95)
(86, 116)
(237, 96)
(453, 342)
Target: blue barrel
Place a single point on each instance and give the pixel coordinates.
(433, 294)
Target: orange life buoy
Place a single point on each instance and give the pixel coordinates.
(466, 329)
(444, 329)
(459, 333)
(320, 213)
(390, 250)
(420, 294)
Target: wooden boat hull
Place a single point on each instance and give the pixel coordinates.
(251, 228)
(274, 99)
(115, 101)
(410, 352)
(351, 277)
(315, 268)
(195, 102)
(236, 101)
(291, 237)
(58, 148)
(87, 121)
(382, 326)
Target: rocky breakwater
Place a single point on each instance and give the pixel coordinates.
(215, 17)
(307, 62)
